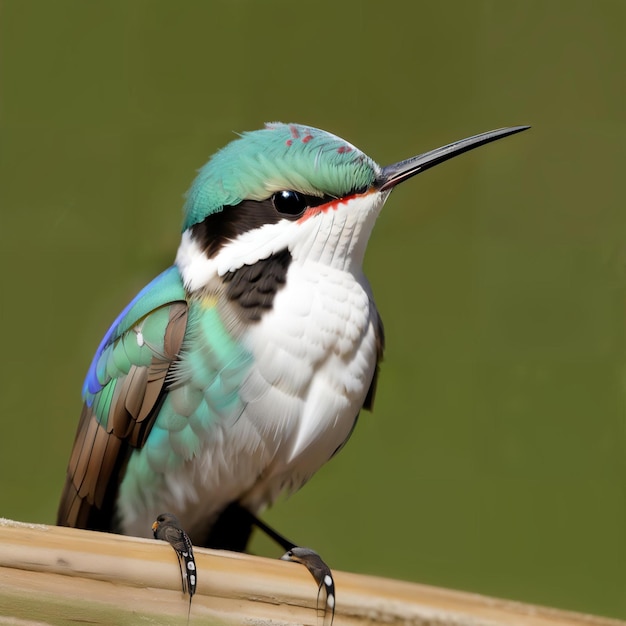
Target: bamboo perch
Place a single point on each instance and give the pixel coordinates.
(51, 575)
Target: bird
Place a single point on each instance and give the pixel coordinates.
(166, 527)
(241, 369)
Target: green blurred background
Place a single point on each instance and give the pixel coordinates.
(495, 460)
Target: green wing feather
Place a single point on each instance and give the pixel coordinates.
(123, 391)
(167, 368)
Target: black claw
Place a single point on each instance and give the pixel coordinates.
(320, 572)
(307, 557)
(167, 528)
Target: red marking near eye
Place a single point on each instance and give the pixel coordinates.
(288, 142)
(332, 205)
(294, 131)
(343, 149)
(307, 138)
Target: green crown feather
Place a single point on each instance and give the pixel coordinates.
(278, 157)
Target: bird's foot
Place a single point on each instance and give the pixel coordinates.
(310, 559)
(167, 528)
(322, 575)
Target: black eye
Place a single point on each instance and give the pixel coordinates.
(289, 202)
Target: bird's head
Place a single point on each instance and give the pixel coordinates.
(295, 188)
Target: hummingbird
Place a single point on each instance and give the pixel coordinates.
(240, 370)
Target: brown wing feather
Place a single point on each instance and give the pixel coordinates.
(100, 454)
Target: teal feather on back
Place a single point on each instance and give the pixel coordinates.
(278, 157)
(166, 373)
(204, 388)
(203, 377)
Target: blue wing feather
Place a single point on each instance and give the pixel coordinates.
(166, 287)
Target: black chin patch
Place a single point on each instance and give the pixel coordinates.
(253, 287)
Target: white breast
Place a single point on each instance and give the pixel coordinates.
(315, 355)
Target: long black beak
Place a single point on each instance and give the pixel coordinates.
(394, 174)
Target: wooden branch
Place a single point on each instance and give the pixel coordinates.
(51, 575)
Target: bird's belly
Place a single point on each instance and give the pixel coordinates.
(313, 359)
